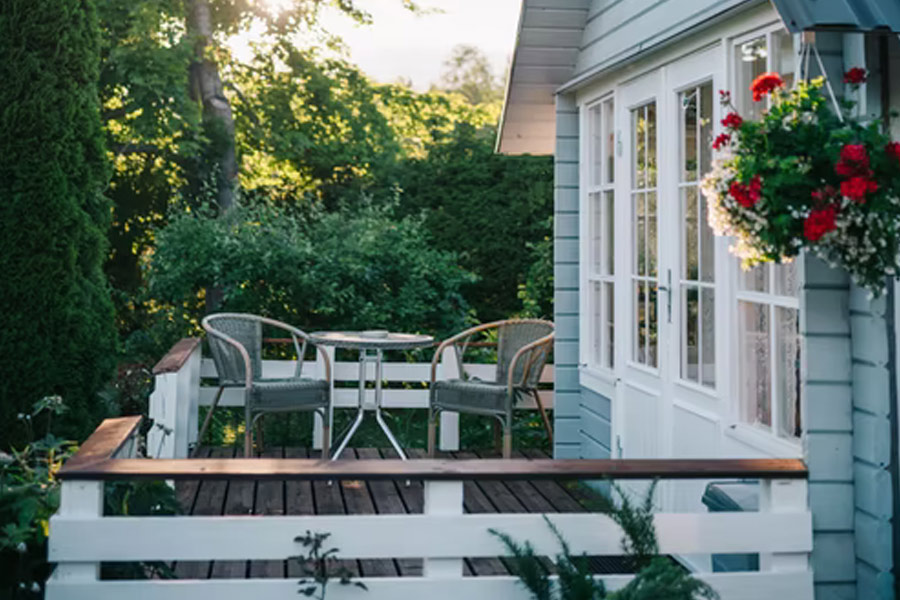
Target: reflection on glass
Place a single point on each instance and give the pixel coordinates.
(609, 296)
(652, 316)
(651, 234)
(755, 279)
(785, 276)
(787, 363)
(597, 302)
(690, 232)
(752, 60)
(689, 142)
(690, 348)
(639, 139)
(640, 318)
(707, 244)
(597, 241)
(609, 232)
(651, 144)
(610, 145)
(706, 128)
(783, 56)
(640, 228)
(596, 125)
(755, 363)
(708, 337)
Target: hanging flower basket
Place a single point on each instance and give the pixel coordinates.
(804, 177)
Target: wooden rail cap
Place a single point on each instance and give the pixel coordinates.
(176, 356)
(106, 440)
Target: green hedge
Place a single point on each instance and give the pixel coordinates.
(57, 333)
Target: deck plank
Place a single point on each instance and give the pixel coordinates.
(358, 501)
(476, 501)
(210, 502)
(387, 500)
(270, 501)
(299, 500)
(238, 501)
(328, 501)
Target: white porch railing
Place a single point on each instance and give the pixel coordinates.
(81, 537)
(178, 392)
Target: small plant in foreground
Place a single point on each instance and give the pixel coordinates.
(658, 578)
(321, 567)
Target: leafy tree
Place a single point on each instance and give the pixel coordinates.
(57, 326)
(486, 207)
(468, 72)
(352, 269)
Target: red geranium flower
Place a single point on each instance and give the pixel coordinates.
(732, 120)
(747, 195)
(893, 150)
(855, 75)
(764, 84)
(819, 222)
(721, 140)
(854, 161)
(855, 153)
(724, 96)
(857, 187)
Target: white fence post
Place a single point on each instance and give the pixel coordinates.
(449, 429)
(778, 496)
(320, 372)
(82, 500)
(173, 406)
(443, 498)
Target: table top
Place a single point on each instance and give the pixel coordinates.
(361, 340)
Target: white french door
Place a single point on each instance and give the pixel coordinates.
(670, 356)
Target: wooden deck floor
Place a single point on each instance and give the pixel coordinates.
(372, 497)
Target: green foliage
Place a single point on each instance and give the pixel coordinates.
(536, 293)
(468, 72)
(356, 268)
(657, 578)
(57, 318)
(805, 177)
(321, 566)
(487, 208)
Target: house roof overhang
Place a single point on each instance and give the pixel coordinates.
(547, 46)
(842, 15)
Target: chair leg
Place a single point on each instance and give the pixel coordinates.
(507, 442)
(544, 417)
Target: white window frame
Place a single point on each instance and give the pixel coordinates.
(760, 436)
(596, 353)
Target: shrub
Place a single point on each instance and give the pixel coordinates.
(57, 327)
(354, 269)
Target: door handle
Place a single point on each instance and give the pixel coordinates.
(668, 290)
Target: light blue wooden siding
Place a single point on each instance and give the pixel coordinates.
(595, 429)
(567, 399)
(616, 30)
(873, 506)
(827, 391)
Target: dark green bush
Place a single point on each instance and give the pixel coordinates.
(352, 269)
(57, 332)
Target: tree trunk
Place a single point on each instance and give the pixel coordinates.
(207, 88)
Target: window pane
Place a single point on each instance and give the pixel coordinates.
(640, 231)
(597, 241)
(785, 278)
(597, 309)
(706, 128)
(787, 363)
(651, 234)
(596, 122)
(651, 144)
(707, 244)
(752, 60)
(638, 134)
(783, 56)
(640, 322)
(689, 194)
(609, 325)
(755, 365)
(689, 102)
(755, 279)
(610, 145)
(609, 214)
(708, 337)
(652, 305)
(690, 344)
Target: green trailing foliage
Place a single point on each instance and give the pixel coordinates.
(58, 334)
(321, 566)
(657, 578)
(351, 269)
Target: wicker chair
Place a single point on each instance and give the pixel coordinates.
(522, 351)
(236, 344)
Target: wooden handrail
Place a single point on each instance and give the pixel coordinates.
(276, 340)
(176, 356)
(95, 461)
(109, 437)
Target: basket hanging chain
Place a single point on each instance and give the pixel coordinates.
(808, 48)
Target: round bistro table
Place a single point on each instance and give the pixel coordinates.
(371, 346)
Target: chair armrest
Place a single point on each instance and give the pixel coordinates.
(452, 340)
(301, 350)
(526, 349)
